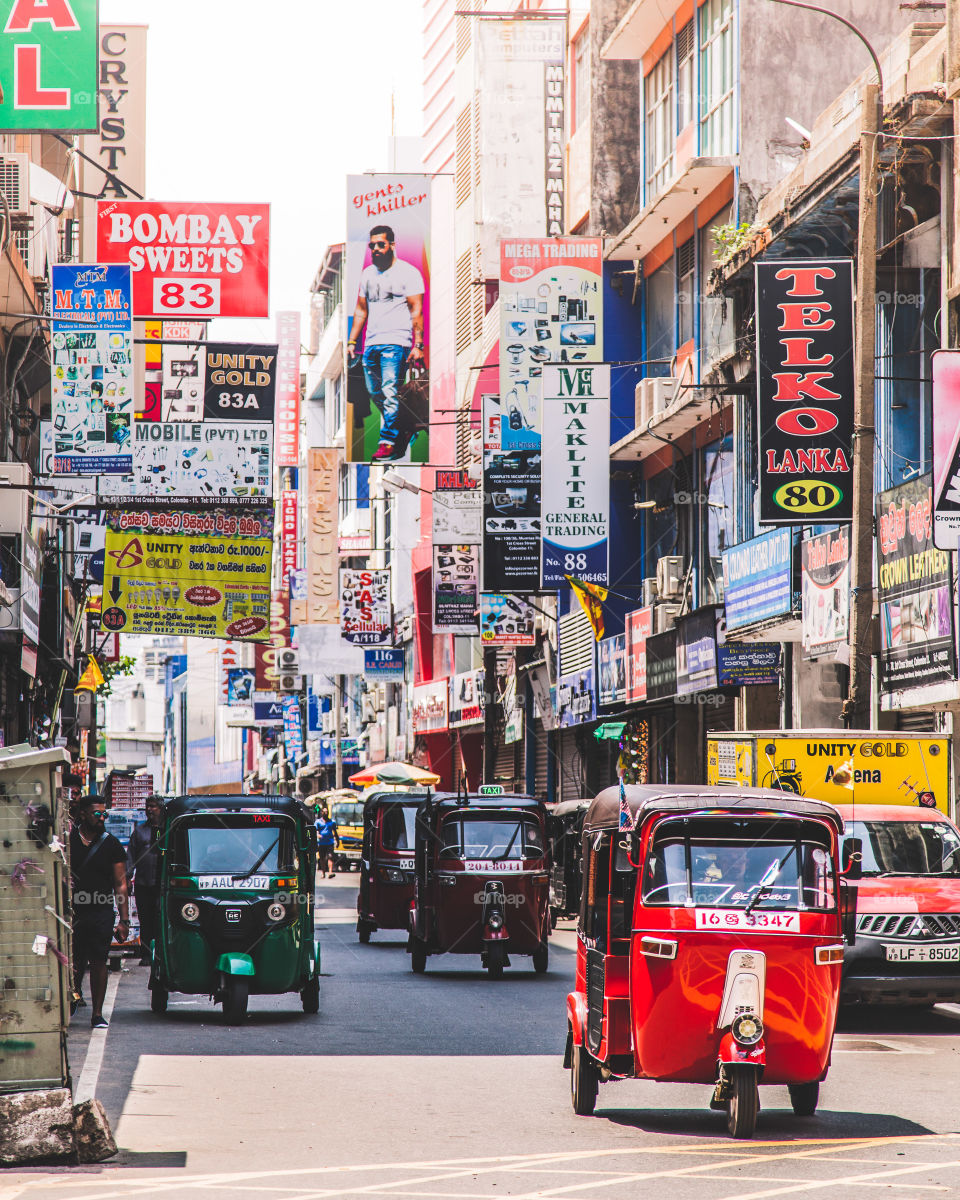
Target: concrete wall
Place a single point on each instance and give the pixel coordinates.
(615, 143)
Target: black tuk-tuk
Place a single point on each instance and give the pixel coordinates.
(565, 828)
(386, 865)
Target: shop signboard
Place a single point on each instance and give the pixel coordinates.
(576, 698)
(575, 491)
(805, 390)
(91, 363)
(456, 589)
(240, 683)
(289, 499)
(384, 665)
(825, 591)
(288, 389)
(267, 710)
(917, 646)
(430, 706)
(639, 626)
(613, 670)
(181, 371)
(758, 579)
(457, 509)
(292, 728)
(386, 297)
(697, 652)
(267, 664)
(48, 66)
(321, 535)
(745, 664)
(511, 495)
(366, 617)
(512, 707)
(30, 577)
(466, 699)
(662, 665)
(187, 572)
(506, 620)
(189, 259)
(946, 449)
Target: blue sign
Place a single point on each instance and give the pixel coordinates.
(576, 698)
(384, 666)
(758, 579)
(240, 685)
(697, 652)
(292, 728)
(267, 712)
(317, 705)
(745, 663)
(349, 749)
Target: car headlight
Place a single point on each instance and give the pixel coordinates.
(747, 1029)
(190, 911)
(495, 920)
(276, 911)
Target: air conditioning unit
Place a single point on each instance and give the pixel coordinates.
(665, 617)
(290, 682)
(670, 571)
(649, 591)
(327, 722)
(15, 479)
(651, 397)
(288, 662)
(368, 709)
(15, 183)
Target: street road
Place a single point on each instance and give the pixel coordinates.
(450, 1086)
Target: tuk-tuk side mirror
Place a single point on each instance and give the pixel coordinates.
(848, 911)
(851, 858)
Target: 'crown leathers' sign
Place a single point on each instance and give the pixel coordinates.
(805, 381)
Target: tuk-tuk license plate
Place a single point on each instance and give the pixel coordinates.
(736, 918)
(253, 883)
(922, 953)
(483, 865)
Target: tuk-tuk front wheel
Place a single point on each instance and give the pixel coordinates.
(418, 956)
(804, 1097)
(236, 991)
(584, 1083)
(744, 1103)
(541, 957)
(158, 997)
(364, 929)
(496, 960)
(310, 996)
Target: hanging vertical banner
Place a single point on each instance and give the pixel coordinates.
(507, 620)
(825, 590)
(288, 389)
(612, 670)
(48, 65)
(511, 500)
(946, 449)
(575, 494)
(321, 536)
(182, 370)
(457, 508)
(267, 663)
(91, 328)
(387, 300)
(366, 615)
(639, 626)
(288, 533)
(456, 589)
(292, 729)
(805, 390)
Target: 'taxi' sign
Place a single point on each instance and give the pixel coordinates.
(48, 65)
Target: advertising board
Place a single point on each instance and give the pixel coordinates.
(366, 615)
(612, 653)
(456, 589)
(506, 620)
(825, 591)
(639, 626)
(758, 579)
(48, 65)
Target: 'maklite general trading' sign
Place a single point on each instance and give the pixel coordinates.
(48, 65)
(805, 382)
(189, 260)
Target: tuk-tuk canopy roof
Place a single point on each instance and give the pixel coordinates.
(373, 800)
(448, 801)
(565, 807)
(604, 812)
(179, 806)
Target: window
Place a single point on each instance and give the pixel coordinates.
(660, 312)
(581, 80)
(686, 76)
(658, 125)
(211, 846)
(468, 838)
(686, 291)
(398, 829)
(716, 312)
(716, 77)
(908, 847)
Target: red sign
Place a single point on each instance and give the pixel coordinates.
(639, 626)
(288, 534)
(189, 260)
(287, 427)
(267, 668)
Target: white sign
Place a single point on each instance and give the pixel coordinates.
(738, 918)
(430, 707)
(366, 616)
(458, 517)
(323, 652)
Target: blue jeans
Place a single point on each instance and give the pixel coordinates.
(384, 370)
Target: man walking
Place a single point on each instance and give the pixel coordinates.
(98, 874)
(326, 842)
(390, 306)
(143, 861)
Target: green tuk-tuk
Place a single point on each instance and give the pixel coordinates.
(237, 878)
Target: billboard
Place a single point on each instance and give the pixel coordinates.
(240, 682)
(946, 449)
(288, 389)
(758, 579)
(662, 665)
(576, 698)
(575, 493)
(430, 706)
(187, 572)
(48, 65)
(289, 499)
(456, 589)
(805, 390)
(511, 497)
(321, 536)
(189, 259)
(466, 699)
(825, 591)
(639, 626)
(457, 509)
(92, 391)
(696, 652)
(612, 654)
(387, 301)
(366, 615)
(506, 620)
(384, 666)
(914, 589)
(267, 665)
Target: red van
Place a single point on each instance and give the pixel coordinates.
(908, 907)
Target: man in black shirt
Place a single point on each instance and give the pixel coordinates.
(98, 871)
(143, 860)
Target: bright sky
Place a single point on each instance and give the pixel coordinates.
(275, 100)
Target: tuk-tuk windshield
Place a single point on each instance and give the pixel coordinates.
(347, 814)
(504, 837)
(773, 872)
(398, 827)
(214, 845)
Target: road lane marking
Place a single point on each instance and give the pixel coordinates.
(842, 1181)
(86, 1087)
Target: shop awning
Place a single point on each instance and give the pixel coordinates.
(611, 731)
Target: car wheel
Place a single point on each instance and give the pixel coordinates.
(584, 1083)
(804, 1097)
(235, 995)
(744, 1103)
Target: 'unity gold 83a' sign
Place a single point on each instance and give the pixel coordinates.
(48, 65)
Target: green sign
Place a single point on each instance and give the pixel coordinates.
(491, 789)
(48, 65)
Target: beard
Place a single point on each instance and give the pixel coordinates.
(381, 258)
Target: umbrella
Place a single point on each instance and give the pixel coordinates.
(394, 772)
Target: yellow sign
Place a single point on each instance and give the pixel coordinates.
(91, 678)
(845, 767)
(189, 573)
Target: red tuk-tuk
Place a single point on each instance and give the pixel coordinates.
(710, 947)
(482, 880)
(386, 863)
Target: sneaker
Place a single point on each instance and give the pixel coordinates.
(383, 452)
(99, 1023)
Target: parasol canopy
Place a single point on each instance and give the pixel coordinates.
(394, 772)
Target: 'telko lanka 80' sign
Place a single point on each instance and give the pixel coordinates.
(805, 380)
(189, 260)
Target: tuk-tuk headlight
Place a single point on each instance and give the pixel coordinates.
(276, 911)
(747, 1029)
(190, 911)
(495, 920)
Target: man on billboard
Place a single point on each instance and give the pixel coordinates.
(390, 308)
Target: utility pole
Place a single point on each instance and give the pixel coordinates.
(337, 729)
(856, 708)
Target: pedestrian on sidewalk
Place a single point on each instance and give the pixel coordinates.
(143, 865)
(98, 876)
(326, 842)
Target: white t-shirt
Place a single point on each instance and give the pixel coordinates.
(386, 292)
